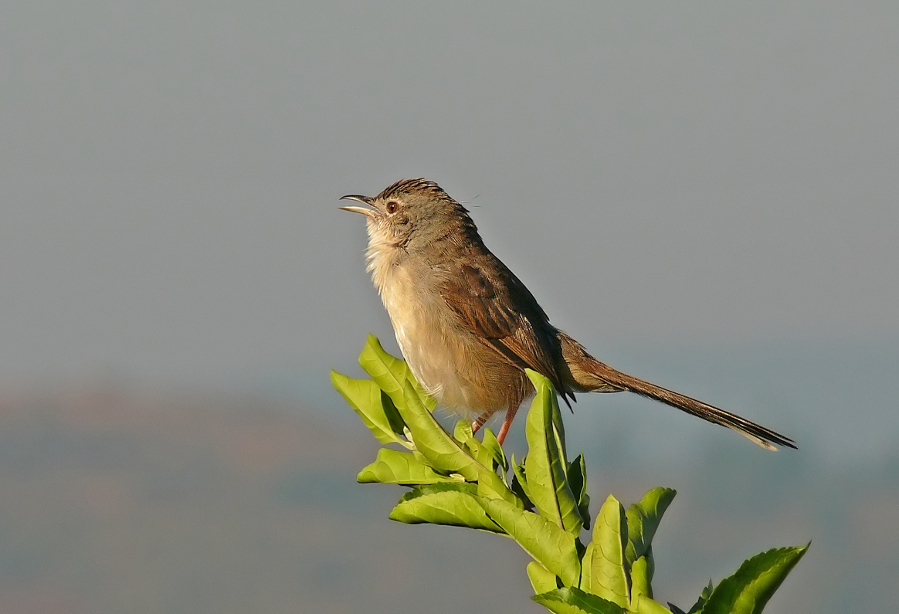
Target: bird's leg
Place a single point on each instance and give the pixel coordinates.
(504, 429)
(479, 422)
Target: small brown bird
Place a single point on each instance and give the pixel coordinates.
(468, 327)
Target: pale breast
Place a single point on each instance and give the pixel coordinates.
(442, 357)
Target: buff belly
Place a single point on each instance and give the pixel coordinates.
(447, 361)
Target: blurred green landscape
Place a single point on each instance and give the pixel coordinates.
(118, 498)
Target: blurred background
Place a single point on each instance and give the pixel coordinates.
(702, 194)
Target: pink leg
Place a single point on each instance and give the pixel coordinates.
(504, 429)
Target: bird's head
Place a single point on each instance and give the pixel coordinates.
(411, 214)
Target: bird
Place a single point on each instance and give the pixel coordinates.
(469, 328)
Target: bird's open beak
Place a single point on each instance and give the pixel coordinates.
(369, 210)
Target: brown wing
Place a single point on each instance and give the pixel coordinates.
(493, 304)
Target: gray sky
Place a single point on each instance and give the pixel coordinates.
(711, 173)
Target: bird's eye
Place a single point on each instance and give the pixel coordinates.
(392, 206)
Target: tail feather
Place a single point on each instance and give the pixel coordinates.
(588, 374)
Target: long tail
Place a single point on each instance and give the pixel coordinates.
(588, 374)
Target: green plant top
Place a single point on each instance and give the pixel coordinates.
(542, 503)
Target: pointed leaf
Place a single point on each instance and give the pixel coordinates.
(577, 479)
(437, 446)
(575, 601)
(641, 575)
(520, 483)
(493, 447)
(488, 452)
(607, 571)
(643, 520)
(491, 485)
(542, 579)
(545, 464)
(442, 452)
(367, 400)
(550, 545)
(449, 504)
(390, 373)
(750, 588)
(462, 431)
(395, 467)
(703, 597)
(697, 607)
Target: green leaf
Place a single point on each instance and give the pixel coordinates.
(605, 569)
(575, 601)
(549, 545)
(577, 479)
(641, 575)
(491, 486)
(493, 447)
(395, 467)
(750, 588)
(488, 452)
(449, 504)
(545, 465)
(520, 483)
(643, 520)
(462, 431)
(643, 604)
(703, 597)
(390, 373)
(436, 445)
(442, 452)
(542, 579)
(367, 400)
